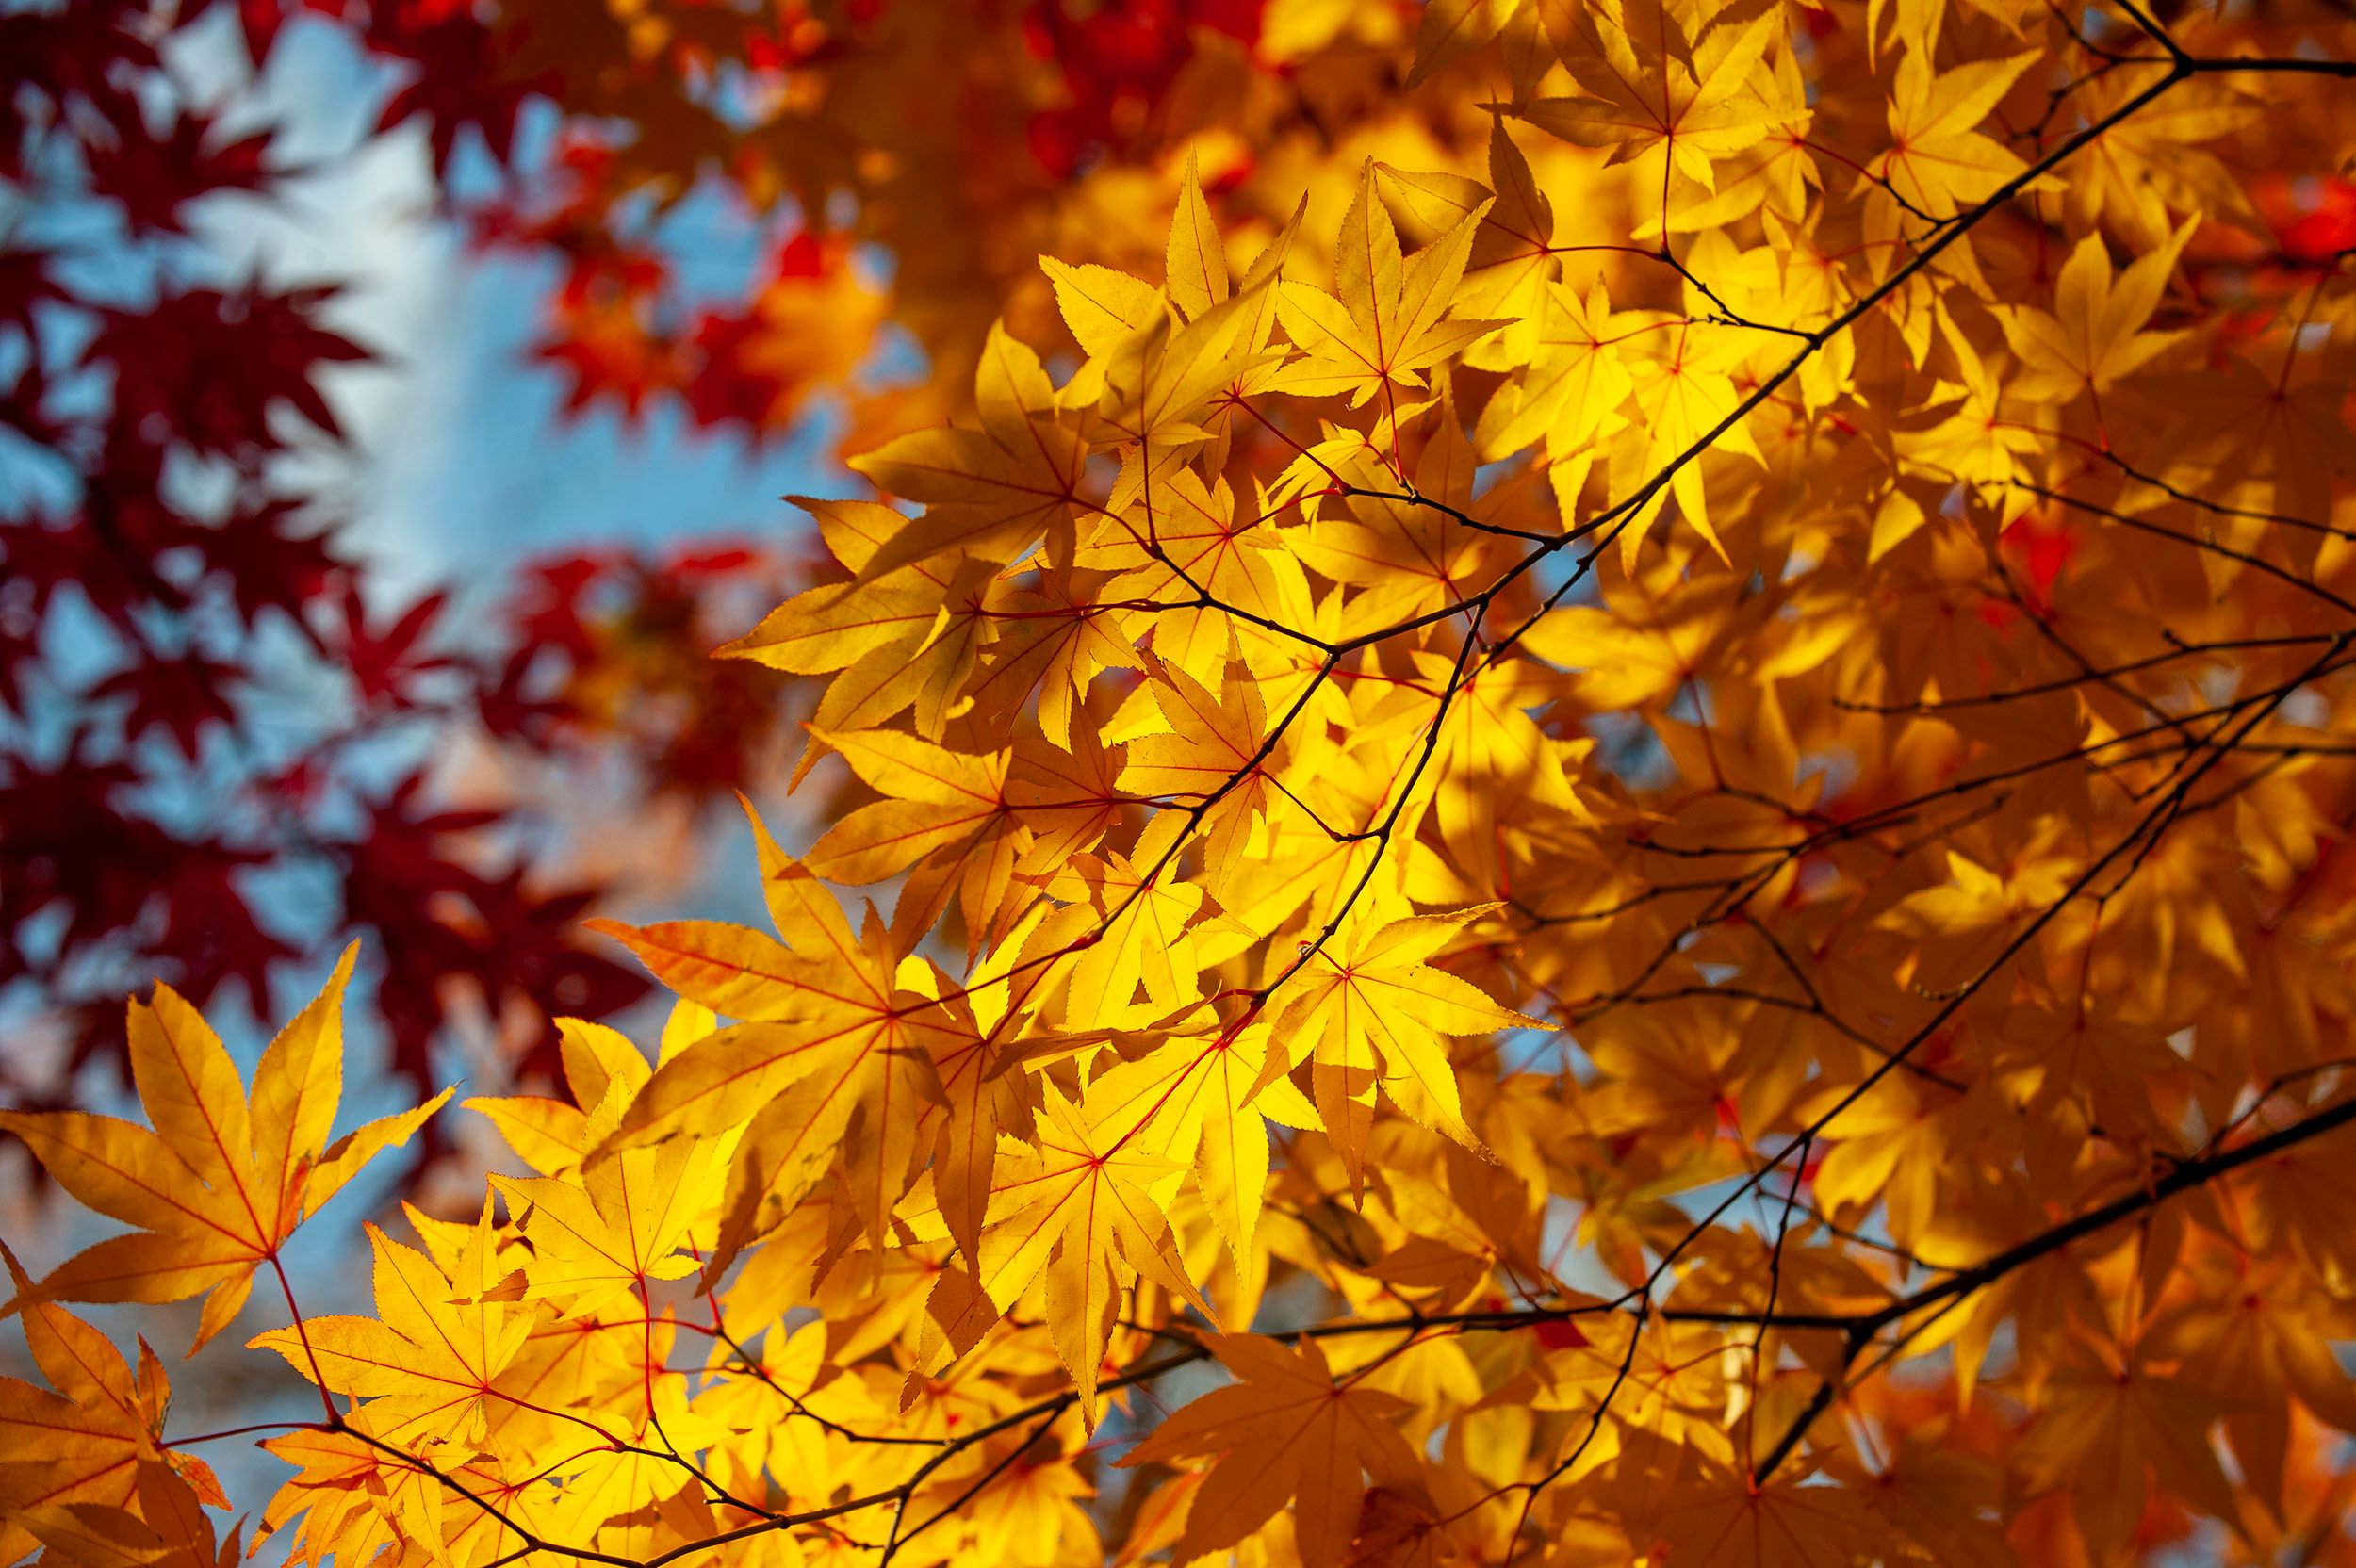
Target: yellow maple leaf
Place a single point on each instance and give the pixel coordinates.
(1285, 1432)
(220, 1182)
(1367, 1010)
(1939, 160)
(2095, 333)
(1077, 1206)
(87, 1442)
(427, 1364)
(1691, 104)
(1387, 321)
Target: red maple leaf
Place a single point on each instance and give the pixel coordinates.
(182, 696)
(169, 387)
(155, 177)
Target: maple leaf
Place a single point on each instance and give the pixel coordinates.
(1972, 443)
(155, 177)
(1160, 380)
(1451, 29)
(947, 809)
(982, 1095)
(1685, 394)
(385, 665)
(273, 335)
(427, 1364)
(1571, 386)
(1725, 1516)
(168, 1527)
(466, 77)
(1140, 939)
(806, 330)
(273, 561)
(1409, 555)
(1068, 797)
(2095, 335)
(1286, 1431)
(2107, 1430)
(1694, 103)
(1512, 256)
(1367, 1011)
(1077, 1207)
(221, 1181)
(1939, 160)
(186, 697)
(2276, 438)
(990, 491)
(354, 1501)
(1207, 750)
(2144, 177)
(885, 640)
(1105, 308)
(621, 1224)
(1386, 321)
(1495, 754)
(1193, 257)
(830, 1035)
(1225, 1086)
(84, 1447)
(1181, 541)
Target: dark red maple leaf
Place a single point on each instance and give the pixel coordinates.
(135, 547)
(465, 76)
(208, 928)
(729, 388)
(548, 612)
(25, 281)
(268, 559)
(64, 837)
(386, 664)
(155, 176)
(403, 879)
(540, 958)
(115, 550)
(169, 385)
(86, 54)
(444, 926)
(182, 696)
(44, 554)
(524, 702)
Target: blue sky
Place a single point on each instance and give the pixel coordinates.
(461, 462)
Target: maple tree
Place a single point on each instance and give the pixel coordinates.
(1618, 840)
